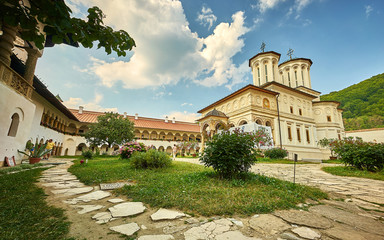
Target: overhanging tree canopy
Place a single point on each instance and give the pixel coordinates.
(111, 129)
(61, 27)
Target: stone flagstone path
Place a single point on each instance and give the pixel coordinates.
(97, 214)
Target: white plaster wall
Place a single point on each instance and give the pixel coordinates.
(11, 102)
(368, 135)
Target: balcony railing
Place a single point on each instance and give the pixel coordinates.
(15, 81)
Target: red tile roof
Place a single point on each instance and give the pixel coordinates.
(142, 122)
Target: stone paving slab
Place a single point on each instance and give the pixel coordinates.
(268, 225)
(126, 229)
(115, 200)
(96, 195)
(127, 209)
(66, 184)
(356, 221)
(165, 214)
(306, 233)
(72, 191)
(103, 217)
(88, 208)
(111, 186)
(234, 235)
(304, 218)
(156, 237)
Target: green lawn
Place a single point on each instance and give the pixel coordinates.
(24, 213)
(195, 189)
(353, 172)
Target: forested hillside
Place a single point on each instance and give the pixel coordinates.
(363, 103)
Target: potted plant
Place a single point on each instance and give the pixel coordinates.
(35, 153)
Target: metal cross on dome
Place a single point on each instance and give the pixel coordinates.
(290, 53)
(262, 46)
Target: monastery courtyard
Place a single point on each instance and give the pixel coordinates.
(352, 211)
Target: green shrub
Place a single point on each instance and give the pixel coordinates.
(129, 148)
(231, 154)
(150, 159)
(276, 153)
(362, 155)
(87, 154)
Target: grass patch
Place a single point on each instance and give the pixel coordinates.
(336, 161)
(193, 188)
(354, 172)
(24, 213)
(19, 168)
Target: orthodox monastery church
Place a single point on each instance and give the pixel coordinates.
(280, 97)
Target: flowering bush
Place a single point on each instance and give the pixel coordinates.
(276, 153)
(129, 148)
(232, 153)
(357, 153)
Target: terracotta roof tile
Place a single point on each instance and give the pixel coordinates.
(141, 122)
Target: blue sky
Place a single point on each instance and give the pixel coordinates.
(190, 53)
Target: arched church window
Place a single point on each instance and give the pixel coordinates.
(266, 73)
(14, 125)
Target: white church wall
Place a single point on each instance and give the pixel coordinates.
(10, 103)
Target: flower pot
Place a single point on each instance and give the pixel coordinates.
(194, 155)
(332, 158)
(34, 160)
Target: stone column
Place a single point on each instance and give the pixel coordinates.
(30, 65)
(6, 43)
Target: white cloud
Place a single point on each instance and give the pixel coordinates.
(301, 4)
(183, 116)
(221, 46)
(264, 5)
(368, 10)
(206, 17)
(93, 105)
(167, 50)
(186, 104)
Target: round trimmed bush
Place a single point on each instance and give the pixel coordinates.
(233, 153)
(276, 153)
(87, 154)
(150, 159)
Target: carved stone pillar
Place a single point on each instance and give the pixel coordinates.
(30, 65)
(6, 43)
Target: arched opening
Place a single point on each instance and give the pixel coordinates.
(153, 135)
(219, 126)
(71, 129)
(231, 125)
(145, 135)
(268, 124)
(192, 137)
(162, 136)
(83, 129)
(137, 134)
(169, 150)
(66, 152)
(243, 122)
(80, 148)
(185, 137)
(177, 137)
(161, 149)
(258, 121)
(198, 137)
(15, 119)
(169, 136)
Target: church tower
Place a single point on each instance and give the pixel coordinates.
(264, 67)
